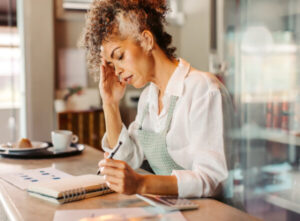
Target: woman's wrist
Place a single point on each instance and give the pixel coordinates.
(142, 184)
(113, 123)
(154, 184)
(110, 105)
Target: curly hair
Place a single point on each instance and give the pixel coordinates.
(123, 18)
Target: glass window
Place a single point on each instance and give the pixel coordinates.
(262, 52)
(9, 73)
(10, 68)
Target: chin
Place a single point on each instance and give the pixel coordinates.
(139, 85)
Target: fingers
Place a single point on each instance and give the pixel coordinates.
(119, 176)
(103, 73)
(106, 154)
(102, 76)
(114, 180)
(111, 167)
(103, 70)
(107, 75)
(116, 183)
(112, 163)
(114, 187)
(103, 61)
(113, 172)
(107, 72)
(114, 176)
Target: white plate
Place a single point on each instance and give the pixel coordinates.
(68, 149)
(36, 145)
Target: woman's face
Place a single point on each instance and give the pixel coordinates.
(131, 62)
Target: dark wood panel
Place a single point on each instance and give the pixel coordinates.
(88, 125)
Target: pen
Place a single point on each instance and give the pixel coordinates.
(111, 155)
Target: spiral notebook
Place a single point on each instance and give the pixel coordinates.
(69, 189)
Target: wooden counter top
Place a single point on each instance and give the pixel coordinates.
(20, 206)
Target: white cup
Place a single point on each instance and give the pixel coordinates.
(61, 139)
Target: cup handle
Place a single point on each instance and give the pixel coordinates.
(74, 138)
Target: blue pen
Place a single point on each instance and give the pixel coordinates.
(111, 155)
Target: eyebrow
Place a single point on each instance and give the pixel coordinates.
(113, 51)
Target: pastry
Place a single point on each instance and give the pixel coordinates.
(24, 143)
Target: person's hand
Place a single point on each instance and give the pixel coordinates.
(111, 89)
(120, 177)
(106, 154)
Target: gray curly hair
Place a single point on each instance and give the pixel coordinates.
(123, 18)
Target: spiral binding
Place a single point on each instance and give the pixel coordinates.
(73, 195)
(80, 193)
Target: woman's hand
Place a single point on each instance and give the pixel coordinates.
(111, 89)
(106, 154)
(121, 177)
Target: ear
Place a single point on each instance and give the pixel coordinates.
(147, 40)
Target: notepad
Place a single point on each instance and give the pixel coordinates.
(70, 189)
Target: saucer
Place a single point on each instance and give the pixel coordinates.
(65, 150)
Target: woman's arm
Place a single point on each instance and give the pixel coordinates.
(113, 123)
(130, 150)
(160, 185)
(123, 179)
(204, 155)
(111, 92)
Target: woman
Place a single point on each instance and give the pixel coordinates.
(179, 123)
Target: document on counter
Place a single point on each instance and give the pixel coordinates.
(132, 213)
(23, 178)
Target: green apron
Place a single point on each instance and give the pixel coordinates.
(154, 144)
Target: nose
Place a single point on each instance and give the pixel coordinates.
(118, 71)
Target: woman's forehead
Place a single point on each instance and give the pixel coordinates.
(108, 46)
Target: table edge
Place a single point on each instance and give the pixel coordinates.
(9, 208)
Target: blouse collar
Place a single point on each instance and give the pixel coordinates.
(175, 84)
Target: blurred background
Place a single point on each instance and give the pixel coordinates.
(252, 46)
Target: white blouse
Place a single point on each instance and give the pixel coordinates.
(195, 139)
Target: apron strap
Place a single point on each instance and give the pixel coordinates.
(170, 113)
(173, 101)
(145, 111)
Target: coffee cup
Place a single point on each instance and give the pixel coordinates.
(62, 139)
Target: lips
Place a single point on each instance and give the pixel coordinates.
(128, 79)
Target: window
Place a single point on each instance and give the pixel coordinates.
(10, 68)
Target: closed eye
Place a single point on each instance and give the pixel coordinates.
(121, 56)
(110, 64)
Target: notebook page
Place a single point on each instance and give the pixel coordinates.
(56, 188)
(23, 178)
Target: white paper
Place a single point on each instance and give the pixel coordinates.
(117, 214)
(23, 178)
